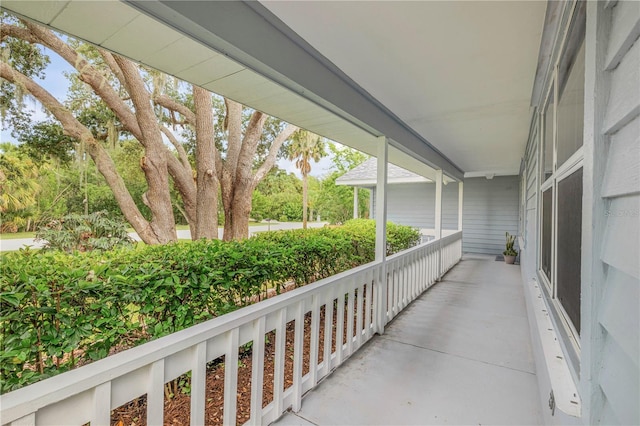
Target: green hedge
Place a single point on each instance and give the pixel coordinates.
(54, 303)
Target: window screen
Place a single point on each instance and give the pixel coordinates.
(569, 237)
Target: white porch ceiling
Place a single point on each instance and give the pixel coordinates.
(459, 73)
(452, 76)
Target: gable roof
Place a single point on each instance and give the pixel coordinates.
(365, 174)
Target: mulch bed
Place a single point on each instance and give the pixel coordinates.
(177, 403)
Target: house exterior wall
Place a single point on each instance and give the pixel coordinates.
(606, 369)
(611, 274)
(490, 208)
(413, 204)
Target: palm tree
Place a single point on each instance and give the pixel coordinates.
(18, 180)
(305, 147)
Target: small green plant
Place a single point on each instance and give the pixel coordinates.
(76, 232)
(510, 251)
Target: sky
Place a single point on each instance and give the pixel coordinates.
(57, 84)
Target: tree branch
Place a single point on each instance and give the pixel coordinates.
(90, 75)
(111, 63)
(233, 120)
(249, 145)
(273, 153)
(170, 104)
(182, 154)
(18, 32)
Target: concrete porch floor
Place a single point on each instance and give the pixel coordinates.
(459, 354)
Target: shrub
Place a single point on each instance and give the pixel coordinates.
(59, 310)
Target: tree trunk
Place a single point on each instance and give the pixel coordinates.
(242, 209)
(304, 201)
(207, 196)
(154, 163)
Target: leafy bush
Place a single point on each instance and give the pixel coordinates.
(84, 232)
(59, 310)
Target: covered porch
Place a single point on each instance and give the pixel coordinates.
(459, 354)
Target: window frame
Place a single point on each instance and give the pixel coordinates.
(559, 172)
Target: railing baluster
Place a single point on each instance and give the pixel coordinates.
(369, 298)
(405, 283)
(198, 383)
(415, 270)
(412, 281)
(278, 374)
(394, 301)
(360, 308)
(423, 271)
(298, 344)
(315, 340)
(155, 394)
(101, 405)
(328, 333)
(257, 370)
(350, 312)
(231, 377)
(340, 324)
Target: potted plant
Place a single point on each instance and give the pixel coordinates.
(510, 253)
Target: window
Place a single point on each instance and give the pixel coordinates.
(547, 157)
(561, 173)
(571, 110)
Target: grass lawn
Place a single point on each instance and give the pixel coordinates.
(17, 236)
(20, 235)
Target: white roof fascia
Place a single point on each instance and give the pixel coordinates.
(391, 181)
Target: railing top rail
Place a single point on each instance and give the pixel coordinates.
(29, 399)
(452, 237)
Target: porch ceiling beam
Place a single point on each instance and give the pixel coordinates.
(250, 34)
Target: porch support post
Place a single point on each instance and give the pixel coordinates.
(438, 221)
(460, 202)
(381, 233)
(355, 202)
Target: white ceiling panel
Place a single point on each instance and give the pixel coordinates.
(245, 86)
(115, 15)
(141, 38)
(212, 69)
(41, 11)
(179, 56)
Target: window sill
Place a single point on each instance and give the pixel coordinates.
(564, 387)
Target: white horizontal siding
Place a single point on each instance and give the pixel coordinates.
(413, 204)
(623, 164)
(623, 102)
(618, 369)
(490, 209)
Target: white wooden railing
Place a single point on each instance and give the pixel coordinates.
(89, 393)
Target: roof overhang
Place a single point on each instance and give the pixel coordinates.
(448, 83)
(391, 181)
(241, 51)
